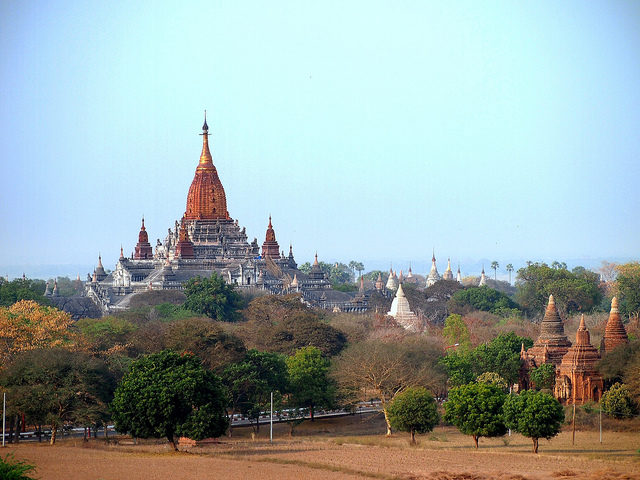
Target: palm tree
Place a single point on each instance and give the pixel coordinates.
(509, 268)
(495, 266)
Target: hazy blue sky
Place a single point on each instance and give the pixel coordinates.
(373, 131)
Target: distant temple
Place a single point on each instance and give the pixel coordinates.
(433, 276)
(402, 313)
(206, 240)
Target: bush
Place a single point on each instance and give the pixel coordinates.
(11, 469)
(617, 402)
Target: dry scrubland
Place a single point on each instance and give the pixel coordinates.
(345, 448)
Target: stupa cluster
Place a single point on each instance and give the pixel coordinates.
(577, 379)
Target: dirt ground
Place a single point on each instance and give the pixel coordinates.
(343, 449)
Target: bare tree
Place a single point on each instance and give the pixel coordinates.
(382, 369)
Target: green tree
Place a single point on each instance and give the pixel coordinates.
(534, 414)
(414, 410)
(577, 290)
(618, 403)
(501, 355)
(628, 288)
(544, 376)
(476, 409)
(166, 394)
(22, 289)
(456, 332)
(495, 265)
(56, 386)
(485, 299)
(509, 268)
(212, 297)
(492, 378)
(251, 381)
(309, 381)
(459, 367)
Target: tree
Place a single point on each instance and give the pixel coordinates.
(251, 381)
(459, 367)
(485, 299)
(509, 268)
(618, 403)
(203, 338)
(544, 376)
(284, 324)
(212, 297)
(166, 394)
(574, 291)
(27, 325)
(501, 355)
(414, 410)
(106, 333)
(383, 370)
(476, 410)
(456, 332)
(534, 414)
(22, 289)
(628, 288)
(55, 386)
(492, 378)
(309, 382)
(495, 265)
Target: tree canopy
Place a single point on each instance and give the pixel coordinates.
(414, 411)
(534, 414)
(22, 289)
(309, 382)
(485, 299)
(167, 394)
(618, 403)
(212, 297)
(628, 288)
(573, 291)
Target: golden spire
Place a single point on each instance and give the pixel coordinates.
(206, 161)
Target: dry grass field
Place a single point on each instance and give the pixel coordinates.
(345, 448)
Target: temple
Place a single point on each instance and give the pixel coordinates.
(577, 379)
(402, 313)
(206, 240)
(433, 276)
(615, 334)
(552, 344)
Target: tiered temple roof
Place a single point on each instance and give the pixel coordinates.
(614, 333)
(379, 284)
(392, 281)
(143, 247)
(270, 247)
(184, 247)
(552, 344)
(577, 379)
(448, 274)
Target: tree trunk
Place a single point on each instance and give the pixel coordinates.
(535, 445)
(106, 430)
(11, 427)
(311, 412)
(84, 439)
(413, 436)
(39, 433)
(18, 428)
(475, 439)
(291, 429)
(172, 442)
(54, 431)
(386, 419)
(230, 431)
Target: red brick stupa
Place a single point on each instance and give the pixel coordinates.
(577, 379)
(206, 199)
(614, 333)
(184, 247)
(143, 247)
(270, 247)
(552, 343)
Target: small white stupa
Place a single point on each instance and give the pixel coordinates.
(392, 282)
(401, 311)
(433, 276)
(483, 279)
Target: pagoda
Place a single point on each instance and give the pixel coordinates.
(552, 344)
(433, 276)
(614, 333)
(448, 274)
(401, 311)
(577, 378)
(270, 247)
(143, 249)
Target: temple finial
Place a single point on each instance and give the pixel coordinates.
(205, 127)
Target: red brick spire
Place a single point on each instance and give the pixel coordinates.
(143, 247)
(206, 199)
(184, 248)
(270, 247)
(614, 333)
